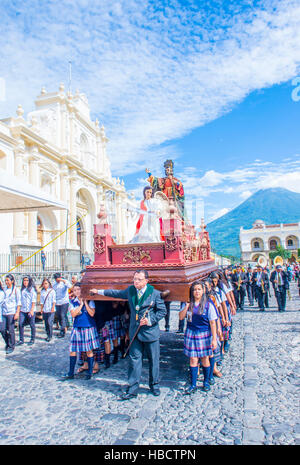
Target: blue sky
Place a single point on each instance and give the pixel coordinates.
(207, 83)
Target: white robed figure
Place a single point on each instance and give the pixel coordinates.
(148, 228)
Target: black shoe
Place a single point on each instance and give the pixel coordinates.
(167, 329)
(60, 335)
(19, 343)
(206, 387)
(107, 361)
(88, 376)
(128, 396)
(190, 390)
(30, 343)
(48, 339)
(116, 358)
(9, 350)
(155, 391)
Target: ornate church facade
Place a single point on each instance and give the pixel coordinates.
(62, 152)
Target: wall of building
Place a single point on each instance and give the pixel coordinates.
(262, 239)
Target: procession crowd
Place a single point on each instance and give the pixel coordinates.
(104, 329)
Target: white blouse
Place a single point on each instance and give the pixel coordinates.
(11, 301)
(48, 302)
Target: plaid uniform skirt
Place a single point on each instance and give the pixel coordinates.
(229, 312)
(217, 351)
(99, 353)
(225, 331)
(197, 343)
(118, 327)
(84, 339)
(107, 333)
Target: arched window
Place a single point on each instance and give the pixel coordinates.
(273, 244)
(84, 148)
(257, 243)
(290, 242)
(46, 183)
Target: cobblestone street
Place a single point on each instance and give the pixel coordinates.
(255, 402)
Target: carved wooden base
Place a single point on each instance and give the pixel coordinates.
(175, 277)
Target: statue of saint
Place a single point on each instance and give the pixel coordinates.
(170, 186)
(148, 228)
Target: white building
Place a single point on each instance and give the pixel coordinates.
(220, 261)
(262, 239)
(61, 152)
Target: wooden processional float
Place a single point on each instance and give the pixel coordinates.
(173, 264)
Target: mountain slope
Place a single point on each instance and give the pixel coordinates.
(273, 206)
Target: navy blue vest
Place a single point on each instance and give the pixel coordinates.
(84, 320)
(199, 322)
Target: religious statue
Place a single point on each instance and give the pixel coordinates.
(148, 228)
(170, 186)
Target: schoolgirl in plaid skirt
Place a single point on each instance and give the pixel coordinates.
(200, 339)
(217, 351)
(230, 302)
(222, 307)
(84, 336)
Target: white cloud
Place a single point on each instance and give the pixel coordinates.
(245, 194)
(218, 214)
(151, 74)
(244, 181)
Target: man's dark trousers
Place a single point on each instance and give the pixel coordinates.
(260, 297)
(61, 313)
(281, 297)
(239, 297)
(250, 293)
(167, 317)
(152, 351)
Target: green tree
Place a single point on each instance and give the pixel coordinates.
(281, 251)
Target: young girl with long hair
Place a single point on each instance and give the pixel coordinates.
(28, 307)
(10, 312)
(217, 352)
(230, 303)
(222, 308)
(84, 336)
(200, 339)
(48, 301)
